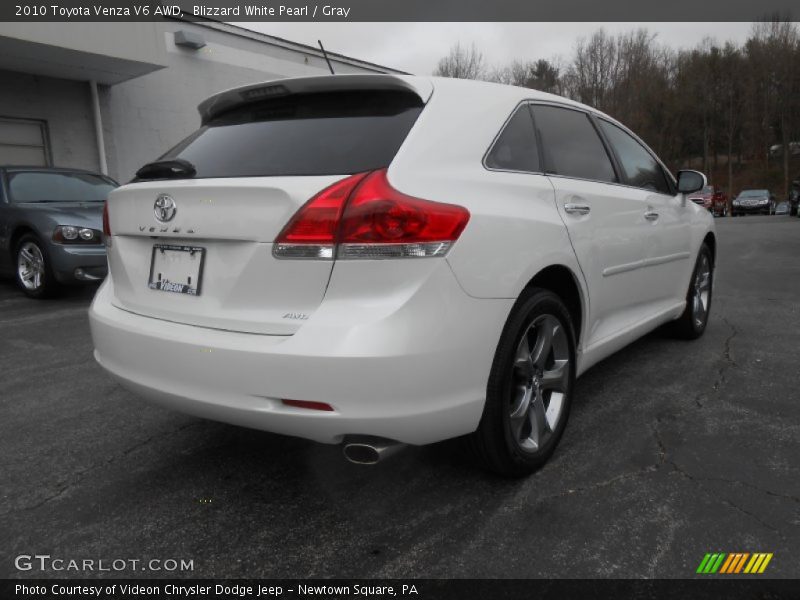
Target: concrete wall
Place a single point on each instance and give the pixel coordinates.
(150, 114)
(65, 105)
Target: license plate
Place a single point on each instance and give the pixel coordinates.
(177, 269)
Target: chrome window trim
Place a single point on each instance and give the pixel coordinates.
(591, 114)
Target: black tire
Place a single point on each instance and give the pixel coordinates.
(496, 443)
(689, 326)
(47, 285)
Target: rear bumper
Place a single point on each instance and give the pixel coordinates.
(78, 263)
(414, 371)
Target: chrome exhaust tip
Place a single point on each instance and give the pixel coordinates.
(369, 450)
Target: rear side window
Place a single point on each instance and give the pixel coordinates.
(515, 148)
(638, 165)
(571, 144)
(306, 134)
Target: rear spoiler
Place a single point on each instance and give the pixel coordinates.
(225, 101)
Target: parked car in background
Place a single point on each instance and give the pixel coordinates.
(712, 199)
(777, 149)
(783, 208)
(51, 224)
(361, 260)
(794, 198)
(753, 202)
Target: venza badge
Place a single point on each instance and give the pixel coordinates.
(164, 208)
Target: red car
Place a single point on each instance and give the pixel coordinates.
(713, 199)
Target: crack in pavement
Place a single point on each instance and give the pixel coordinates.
(600, 484)
(79, 476)
(727, 362)
(663, 459)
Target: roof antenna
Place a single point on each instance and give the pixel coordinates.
(325, 54)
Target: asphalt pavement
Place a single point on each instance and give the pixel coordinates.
(673, 449)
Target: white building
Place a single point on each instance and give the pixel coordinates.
(112, 96)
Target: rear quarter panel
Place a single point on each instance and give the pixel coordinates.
(515, 230)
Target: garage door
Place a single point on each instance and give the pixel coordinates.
(23, 142)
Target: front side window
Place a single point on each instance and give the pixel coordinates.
(515, 148)
(43, 186)
(571, 144)
(638, 165)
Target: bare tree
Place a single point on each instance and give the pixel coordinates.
(731, 89)
(462, 63)
(720, 107)
(772, 52)
(591, 75)
(542, 75)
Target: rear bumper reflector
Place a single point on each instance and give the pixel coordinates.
(308, 404)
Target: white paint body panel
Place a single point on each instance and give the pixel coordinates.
(400, 348)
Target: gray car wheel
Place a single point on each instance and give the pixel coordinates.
(33, 271)
(530, 387)
(692, 323)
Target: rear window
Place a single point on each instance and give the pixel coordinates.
(39, 186)
(306, 134)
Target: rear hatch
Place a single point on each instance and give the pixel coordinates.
(193, 244)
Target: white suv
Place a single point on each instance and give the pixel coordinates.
(376, 260)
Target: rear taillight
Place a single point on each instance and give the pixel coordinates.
(311, 232)
(106, 225)
(363, 216)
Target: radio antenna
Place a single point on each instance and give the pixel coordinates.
(325, 54)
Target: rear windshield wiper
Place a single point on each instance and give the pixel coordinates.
(176, 168)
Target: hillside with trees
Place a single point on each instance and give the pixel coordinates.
(732, 111)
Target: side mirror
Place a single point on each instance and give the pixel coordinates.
(690, 181)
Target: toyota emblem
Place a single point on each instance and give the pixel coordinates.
(164, 208)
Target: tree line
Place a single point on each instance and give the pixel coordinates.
(730, 110)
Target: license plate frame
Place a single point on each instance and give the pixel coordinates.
(163, 284)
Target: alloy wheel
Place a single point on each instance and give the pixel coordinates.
(540, 378)
(30, 266)
(702, 291)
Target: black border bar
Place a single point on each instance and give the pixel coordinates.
(711, 11)
(703, 588)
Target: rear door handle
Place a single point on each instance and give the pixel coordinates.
(577, 208)
(651, 215)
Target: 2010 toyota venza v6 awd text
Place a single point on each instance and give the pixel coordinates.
(377, 259)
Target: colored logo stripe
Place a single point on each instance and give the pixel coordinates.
(758, 563)
(711, 563)
(734, 563)
(727, 564)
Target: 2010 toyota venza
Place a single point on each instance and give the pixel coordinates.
(377, 260)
